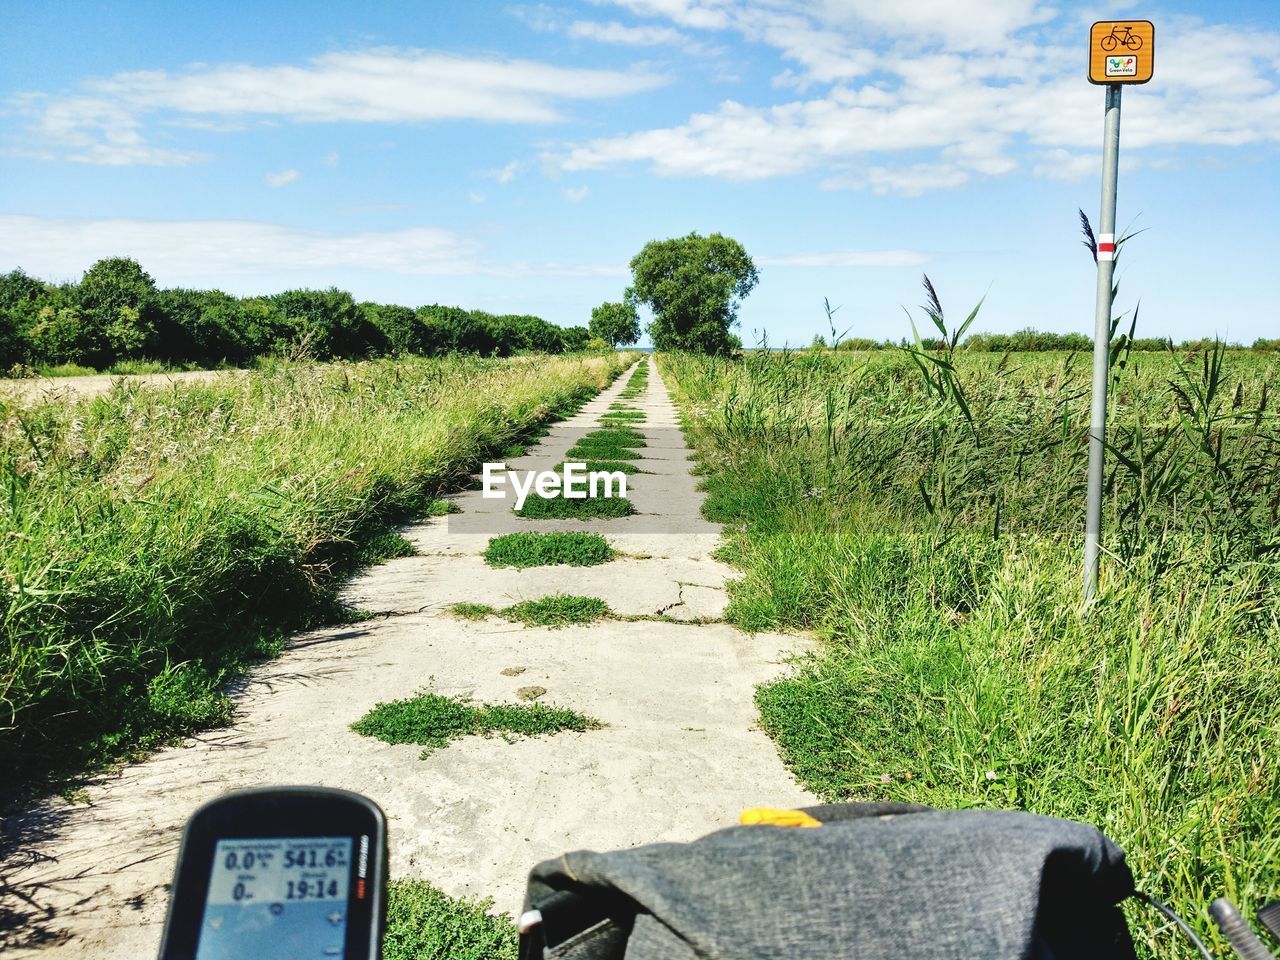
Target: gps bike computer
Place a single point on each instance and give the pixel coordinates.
(280, 872)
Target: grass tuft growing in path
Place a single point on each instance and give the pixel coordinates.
(592, 465)
(473, 611)
(608, 443)
(590, 508)
(558, 611)
(425, 924)
(433, 721)
(547, 549)
(601, 451)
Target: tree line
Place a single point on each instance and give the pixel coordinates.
(118, 313)
(1029, 340)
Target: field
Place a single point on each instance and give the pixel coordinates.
(156, 541)
(924, 514)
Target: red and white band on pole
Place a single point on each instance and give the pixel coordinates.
(1106, 246)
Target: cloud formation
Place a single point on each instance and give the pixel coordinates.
(280, 178)
(103, 122)
(932, 94)
(250, 255)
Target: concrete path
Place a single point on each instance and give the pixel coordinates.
(680, 756)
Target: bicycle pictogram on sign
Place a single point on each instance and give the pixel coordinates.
(1120, 35)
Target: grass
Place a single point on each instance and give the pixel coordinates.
(599, 451)
(122, 368)
(608, 443)
(589, 508)
(425, 924)
(473, 611)
(935, 547)
(156, 542)
(387, 545)
(615, 434)
(637, 383)
(604, 466)
(561, 610)
(433, 721)
(545, 549)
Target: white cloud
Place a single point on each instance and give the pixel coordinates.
(331, 159)
(848, 258)
(981, 25)
(250, 256)
(280, 178)
(614, 32)
(98, 130)
(188, 251)
(540, 17)
(576, 194)
(703, 14)
(936, 112)
(379, 85)
(504, 174)
(476, 197)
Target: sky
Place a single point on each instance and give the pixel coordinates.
(515, 157)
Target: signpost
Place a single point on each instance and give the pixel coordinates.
(1120, 52)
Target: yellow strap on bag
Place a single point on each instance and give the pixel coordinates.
(770, 817)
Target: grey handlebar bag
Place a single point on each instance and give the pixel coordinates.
(882, 881)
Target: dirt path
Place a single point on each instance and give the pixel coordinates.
(680, 755)
(77, 388)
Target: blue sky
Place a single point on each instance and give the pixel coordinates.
(514, 157)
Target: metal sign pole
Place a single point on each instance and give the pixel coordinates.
(1102, 341)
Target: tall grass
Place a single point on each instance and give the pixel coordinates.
(935, 545)
(154, 540)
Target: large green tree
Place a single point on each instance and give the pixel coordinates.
(117, 307)
(617, 324)
(693, 285)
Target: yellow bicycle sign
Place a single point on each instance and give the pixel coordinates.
(1121, 51)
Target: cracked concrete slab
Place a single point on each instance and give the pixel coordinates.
(631, 587)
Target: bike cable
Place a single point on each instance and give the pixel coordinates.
(1182, 925)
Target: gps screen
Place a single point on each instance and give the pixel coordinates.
(277, 898)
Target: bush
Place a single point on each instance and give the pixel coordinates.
(326, 324)
(454, 330)
(400, 327)
(575, 338)
(20, 301)
(1028, 340)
